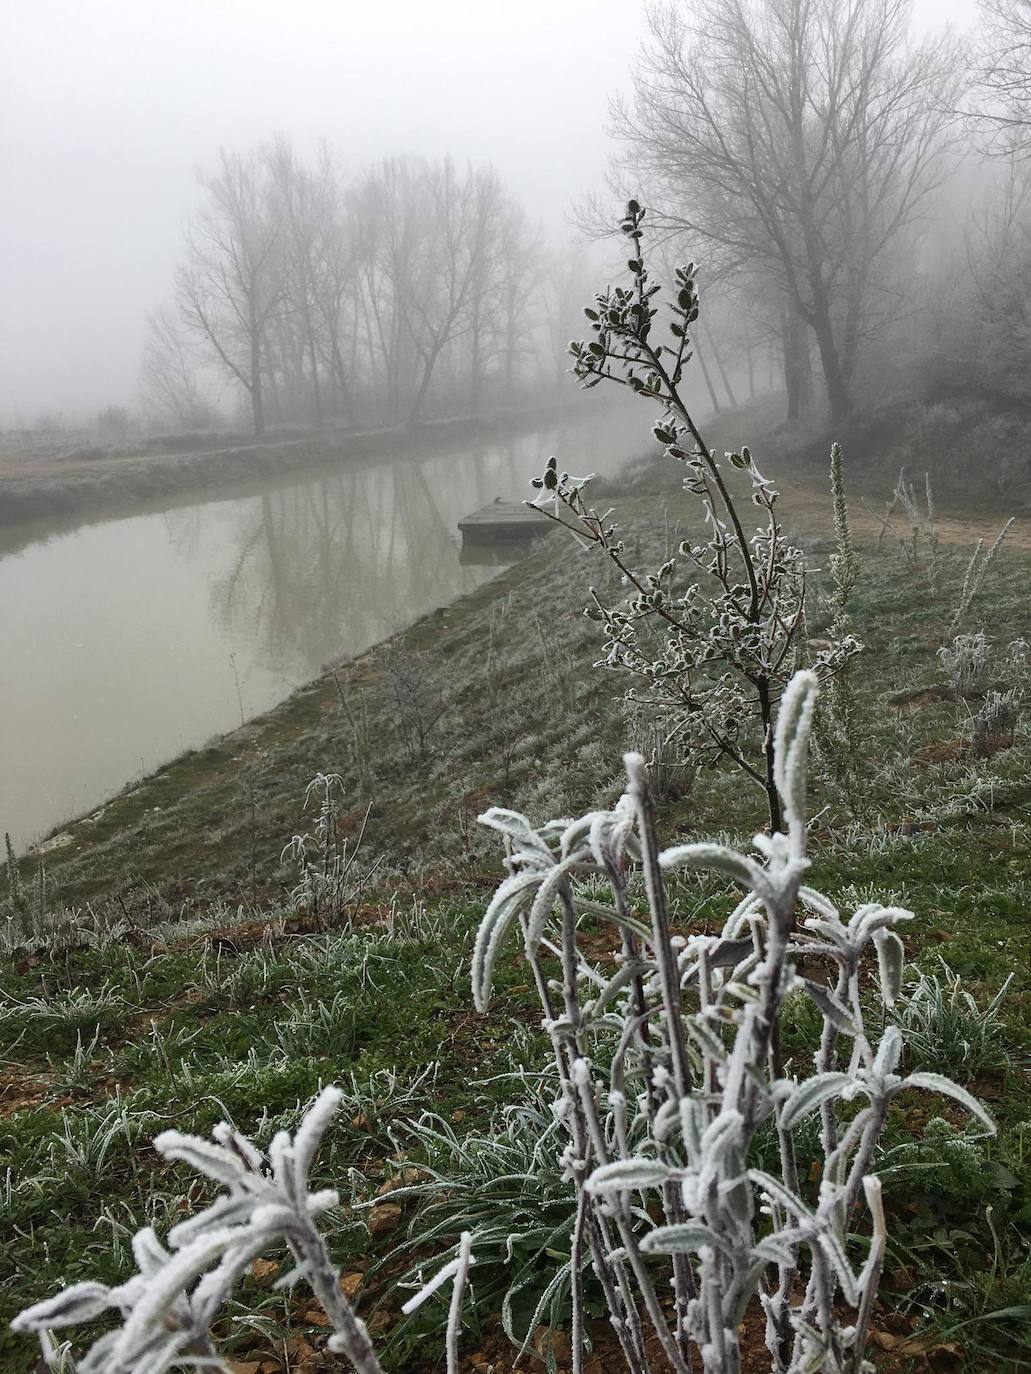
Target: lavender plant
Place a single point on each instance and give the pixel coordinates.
(840, 742)
(975, 574)
(965, 662)
(710, 632)
(844, 561)
(995, 722)
(670, 1067)
(28, 910)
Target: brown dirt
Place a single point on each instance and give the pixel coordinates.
(21, 1090)
(924, 696)
(896, 1347)
(810, 508)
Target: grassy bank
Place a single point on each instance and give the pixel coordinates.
(207, 993)
(41, 485)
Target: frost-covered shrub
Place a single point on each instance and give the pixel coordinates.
(712, 633)
(922, 527)
(974, 576)
(1018, 662)
(995, 722)
(671, 1066)
(418, 703)
(965, 662)
(944, 1028)
(655, 735)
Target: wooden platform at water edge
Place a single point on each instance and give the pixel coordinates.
(503, 521)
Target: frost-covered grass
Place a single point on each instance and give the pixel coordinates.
(244, 1014)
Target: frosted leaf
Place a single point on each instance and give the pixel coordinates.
(627, 1175)
(937, 1083)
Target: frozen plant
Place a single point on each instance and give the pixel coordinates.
(28, 918)
(168, 1307)
(330, 882)
(975, 574)
(672, 1064)
(667, 1067)
(944, 1028)
(922, 524)
(844, 561)
(711, 632)
(995, 722)
(418, 703)
(965, 662)
(655, 735)
(840, 737)
(1018, 662)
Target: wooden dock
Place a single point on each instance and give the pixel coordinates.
(503, 522)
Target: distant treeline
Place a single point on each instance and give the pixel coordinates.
(858, 201)
(360, 300)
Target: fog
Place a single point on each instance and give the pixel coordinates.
(107, 111)
(496, 497)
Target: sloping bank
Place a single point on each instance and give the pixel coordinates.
(86, 483)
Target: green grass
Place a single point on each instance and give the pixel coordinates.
(218, 1002)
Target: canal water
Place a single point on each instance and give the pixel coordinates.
(124, 642)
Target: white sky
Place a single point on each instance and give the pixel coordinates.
(107, 107)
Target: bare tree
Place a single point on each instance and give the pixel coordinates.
(801, 137)
(171, 389)
(320, 298)
(234, 280)
(1002, 95)
(440, 227)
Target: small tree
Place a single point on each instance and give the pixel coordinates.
(728, 608)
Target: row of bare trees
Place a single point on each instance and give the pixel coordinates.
(322, 299)
(828, 170)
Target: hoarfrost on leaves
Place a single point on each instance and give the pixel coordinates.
(713, 633)
(693, 1024)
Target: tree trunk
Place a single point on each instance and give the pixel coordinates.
(474, 366)
(705, 373)
(838, 397)
(711, 343)
(316, 390)
(257, 399)
(424, 386)
(797, 365)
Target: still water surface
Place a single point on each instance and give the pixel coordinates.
(125, 642)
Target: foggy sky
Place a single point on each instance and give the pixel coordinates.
(108, 108)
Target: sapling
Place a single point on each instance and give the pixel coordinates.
(710, 633)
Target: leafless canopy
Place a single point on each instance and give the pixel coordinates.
(801, 136)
